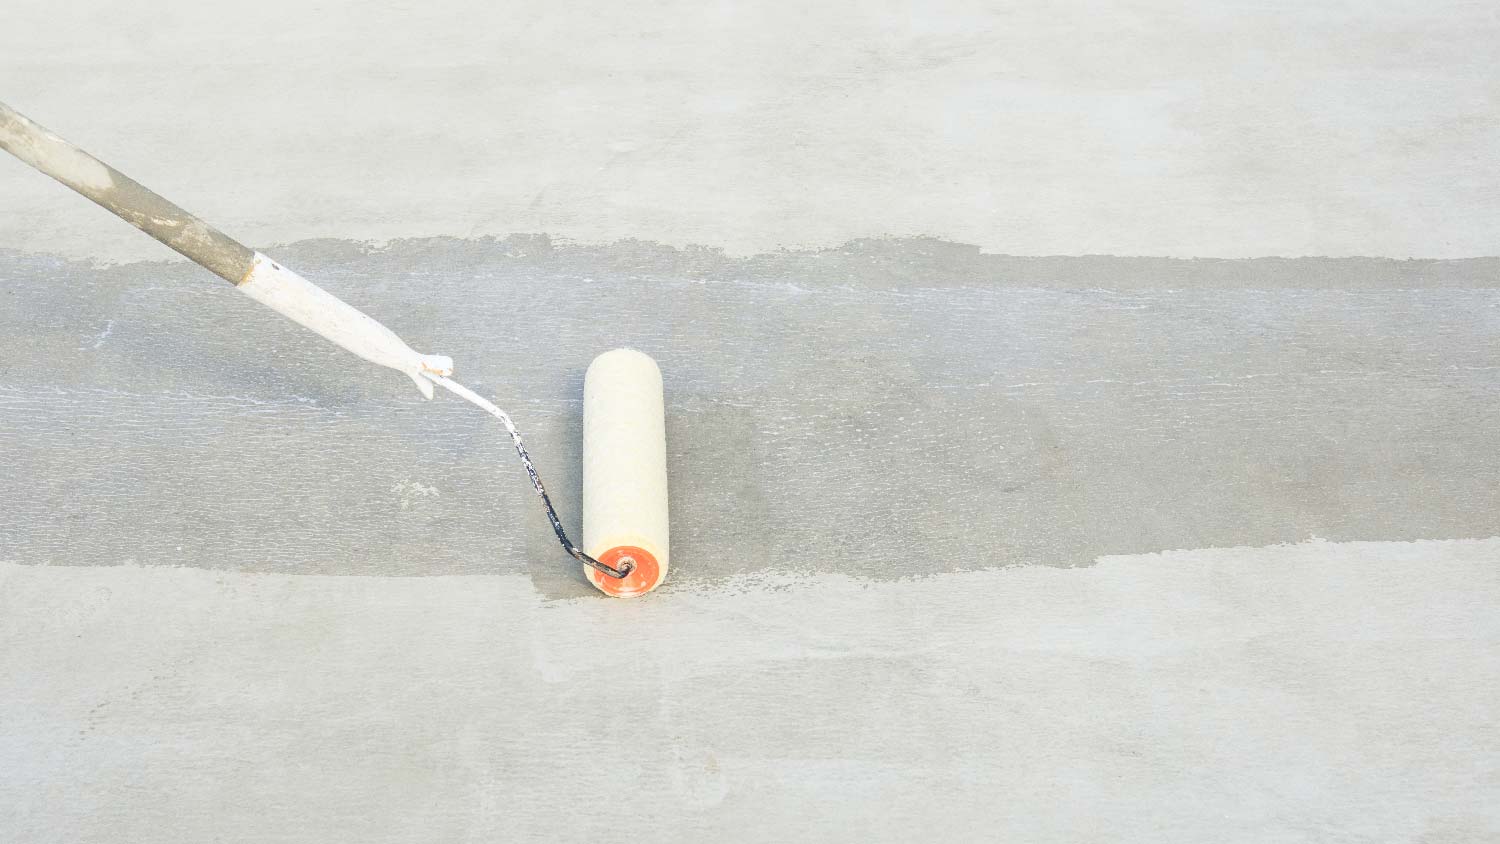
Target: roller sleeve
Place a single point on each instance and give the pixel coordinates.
(625, 471)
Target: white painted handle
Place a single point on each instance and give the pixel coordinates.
(311, 306)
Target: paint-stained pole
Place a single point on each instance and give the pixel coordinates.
(125, 197)
(254, 274)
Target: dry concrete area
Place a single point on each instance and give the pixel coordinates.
(1315, 692)
(967, 546)
(1224, 128)
(889, 408)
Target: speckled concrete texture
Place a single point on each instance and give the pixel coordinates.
(888, 408)
(1315, 692)
(966, 546)
(1227, 128)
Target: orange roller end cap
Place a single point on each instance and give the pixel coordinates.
(642, 578)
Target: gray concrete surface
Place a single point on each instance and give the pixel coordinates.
(1315, 692)
(967, 546)
(1226, 128)
(894, 468)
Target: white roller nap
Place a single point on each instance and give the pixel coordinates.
(625, 470)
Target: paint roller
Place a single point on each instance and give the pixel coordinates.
(625, 471)
(625, 549)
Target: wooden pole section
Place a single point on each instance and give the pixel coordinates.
(124, 197)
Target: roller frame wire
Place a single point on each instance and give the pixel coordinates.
(536, 480)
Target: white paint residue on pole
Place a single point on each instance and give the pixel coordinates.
(311, 306)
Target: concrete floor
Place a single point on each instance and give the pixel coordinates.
(966, 546)
(1223, 128)
(242, 569)
(893, 408)
(1316, 692)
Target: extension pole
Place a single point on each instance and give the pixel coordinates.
(258, 277)
(255, 275)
